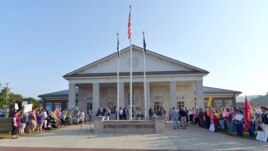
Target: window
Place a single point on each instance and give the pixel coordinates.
(180, 104)
(57, 106)
(217, 103)
(49, 106)
(157, 106)
(112, 107)
(89, 108)
(228, 103)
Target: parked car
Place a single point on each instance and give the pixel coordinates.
(2, 114)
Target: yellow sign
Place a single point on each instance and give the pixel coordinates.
(209, 101)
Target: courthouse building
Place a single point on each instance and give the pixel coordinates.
(169, 83)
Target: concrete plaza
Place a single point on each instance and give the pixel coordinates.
(193, 138)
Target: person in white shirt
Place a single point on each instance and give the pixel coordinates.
(82, 116)
(120, 113)
(45, 117)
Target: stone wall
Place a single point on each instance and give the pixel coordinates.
(160, 94)
(108, 95)
(84, 97)
(154, 126)
(186, 94)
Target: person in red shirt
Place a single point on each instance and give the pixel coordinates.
(216, 120)
(16, 122)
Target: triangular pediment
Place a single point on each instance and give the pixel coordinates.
(154, 63)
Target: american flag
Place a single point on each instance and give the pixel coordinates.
(129, 23)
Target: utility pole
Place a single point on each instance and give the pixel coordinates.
(6, 93)
(6, 97)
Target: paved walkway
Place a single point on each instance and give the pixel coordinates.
(193, 138)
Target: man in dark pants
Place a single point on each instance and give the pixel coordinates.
(207, 117)
(151, 113)
(238, 122)
(251, 130)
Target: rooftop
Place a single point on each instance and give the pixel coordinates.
(207, 90)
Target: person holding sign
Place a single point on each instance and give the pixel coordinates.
(24, 120)
(209, 101)
(238, 119)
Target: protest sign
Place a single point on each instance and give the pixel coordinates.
(28, 108)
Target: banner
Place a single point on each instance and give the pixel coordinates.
(238, 117)
(209, 101)
(262, 136)
(16, 106)
(212, 128)
(28, 108)
(24, 103)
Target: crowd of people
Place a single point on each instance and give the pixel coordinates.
(39, 119)
(229, 120)
(105, 113)
(179, 117)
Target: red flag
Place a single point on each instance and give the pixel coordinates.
(248, 110)
(129, 23)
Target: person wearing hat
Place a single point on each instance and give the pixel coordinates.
(264, 120)
(264, 115)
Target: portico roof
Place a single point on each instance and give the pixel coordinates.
(175, 66)
(211, 90)
(63, 93)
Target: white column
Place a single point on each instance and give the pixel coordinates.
(72, 96)
(173, 92)
(121, 94)
(148, 99)
(199, 94)
(95, 98)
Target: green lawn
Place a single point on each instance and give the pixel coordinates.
(5, 124)
(4, 135)
(5, 127)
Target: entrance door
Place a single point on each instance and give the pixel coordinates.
(157, 106)
(136, 105)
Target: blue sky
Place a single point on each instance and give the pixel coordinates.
(40, 41)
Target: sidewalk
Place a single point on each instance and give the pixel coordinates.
(193, 138)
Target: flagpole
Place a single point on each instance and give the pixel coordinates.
(130, 88)
(144, 80)
(130, 85)
(118, 54)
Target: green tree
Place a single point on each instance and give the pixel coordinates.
(14, 98)
(35, 102)
(4, 97)
(255, 104)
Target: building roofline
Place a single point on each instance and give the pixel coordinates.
(177, 61)
(64, 93)
(141, 49)
(223, 91)
(134, 73)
